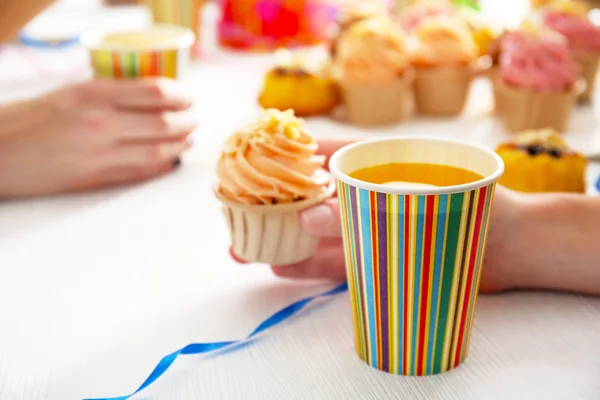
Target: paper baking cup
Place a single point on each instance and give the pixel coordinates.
(185, 13)
(414, 255)
(384, 104)
(527, 109)
(442, 91)
(151, 56)
(588, 64)
(271, 234)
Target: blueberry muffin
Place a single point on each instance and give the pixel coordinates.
(541, 161)
(299, 82)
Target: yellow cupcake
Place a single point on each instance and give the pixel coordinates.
(301, 83)
(541, 161)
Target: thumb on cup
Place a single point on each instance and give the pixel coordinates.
(323, 219)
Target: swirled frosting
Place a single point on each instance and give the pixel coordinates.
(537, 59)
(443, 41)
(371, 51)
(271, 161)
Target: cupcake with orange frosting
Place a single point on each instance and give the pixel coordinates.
(372, 69)
(300, 81)
(444, 56)
(267, 173)
(571, 20)
(352, 13)
(537, 83)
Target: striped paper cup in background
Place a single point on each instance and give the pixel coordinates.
(161, 50)
(185, 13)
(414, 253)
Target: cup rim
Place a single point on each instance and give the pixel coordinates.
(381, 188)
(92, 39)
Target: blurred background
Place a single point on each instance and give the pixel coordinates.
(26, 68)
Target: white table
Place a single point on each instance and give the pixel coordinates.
(96, 288)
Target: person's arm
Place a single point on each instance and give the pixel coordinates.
(560, 244)
(12, 122)
(14, 14)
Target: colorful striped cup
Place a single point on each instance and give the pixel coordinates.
(161, 50)
(186, 13)
(414, 253)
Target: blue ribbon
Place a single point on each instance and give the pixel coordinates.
(203, 348)
(598, 184)
(29, 41)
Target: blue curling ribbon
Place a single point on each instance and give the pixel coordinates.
(29, 41)
(204, 348)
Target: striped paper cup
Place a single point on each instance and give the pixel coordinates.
(161, 50)
(414, 253)
(186, 13)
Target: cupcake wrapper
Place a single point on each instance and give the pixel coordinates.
(442, 91)
(377, 104)
(527, 109)
(588, 64)
(271, 234)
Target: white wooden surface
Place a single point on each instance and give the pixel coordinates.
(96, 288)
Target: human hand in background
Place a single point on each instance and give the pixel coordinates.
(93, 134)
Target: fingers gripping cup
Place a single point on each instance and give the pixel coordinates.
(415, 214)
(161, 50)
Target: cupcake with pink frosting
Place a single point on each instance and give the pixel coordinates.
(538, 79)
(571, 20)
(267, 173)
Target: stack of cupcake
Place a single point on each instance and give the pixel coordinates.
(380, 64)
